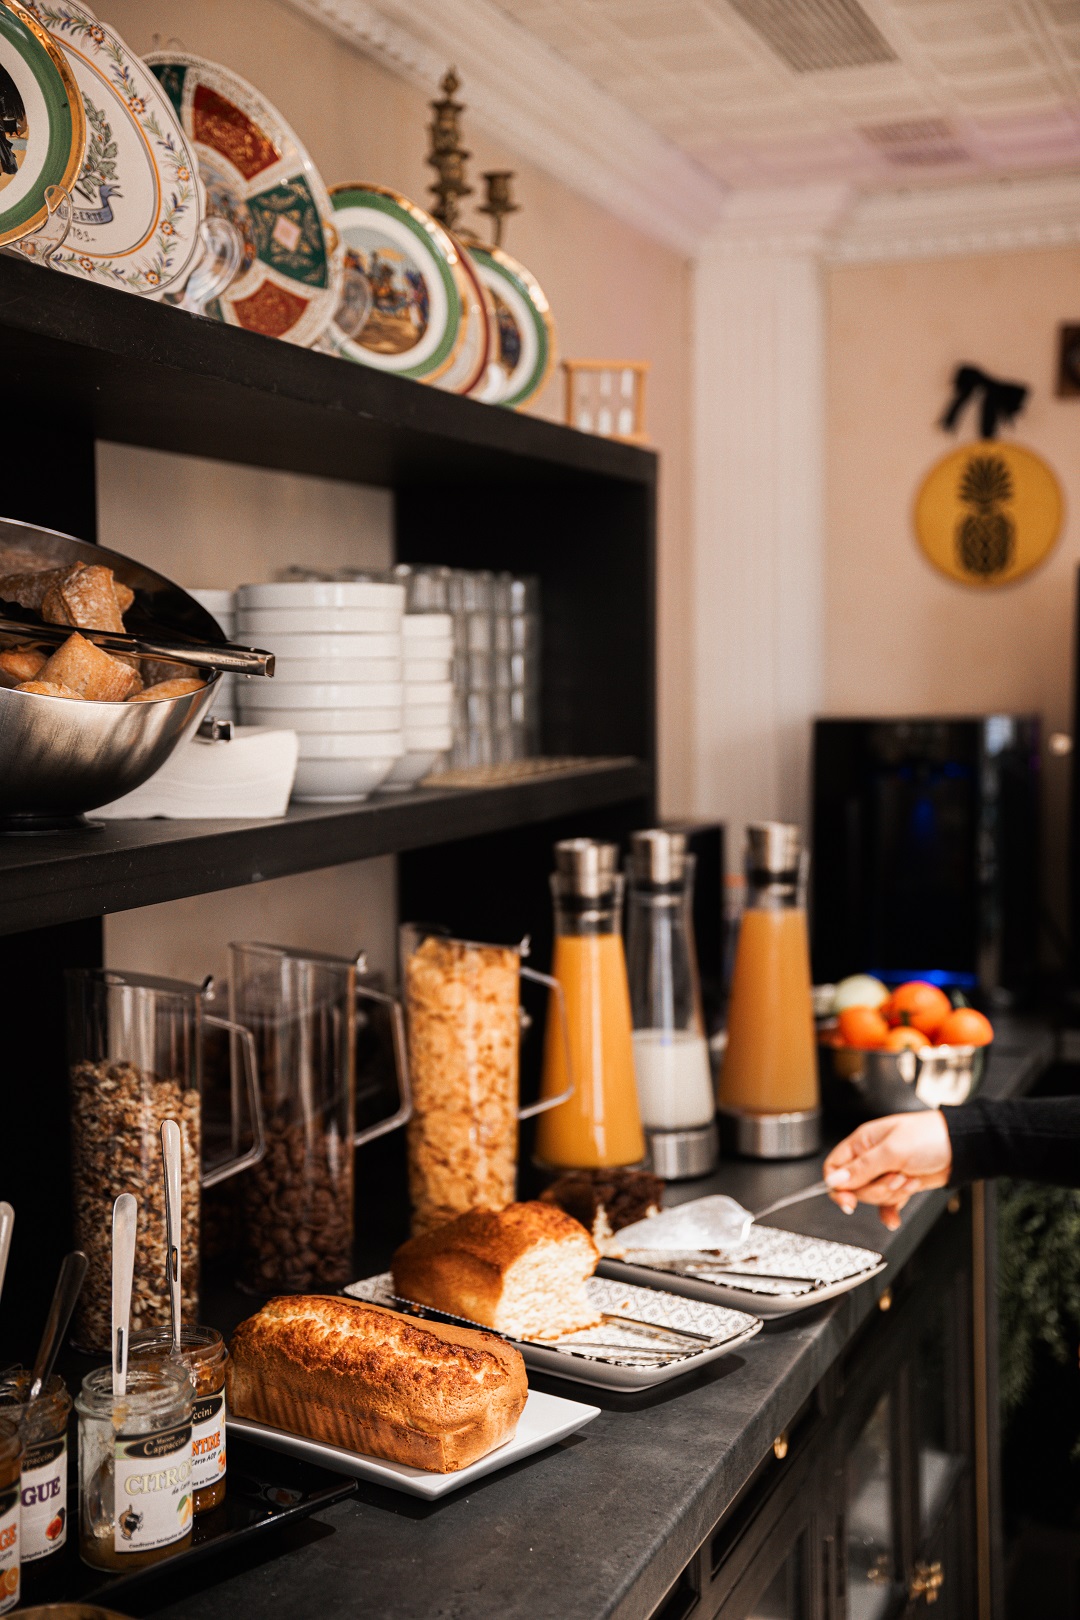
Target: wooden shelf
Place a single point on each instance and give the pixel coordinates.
(104, 364)
(59, 878)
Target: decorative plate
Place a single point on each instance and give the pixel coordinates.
(414, 322)
(42, 128)
(525, 348)
(469, 371)
(137, 204)
(258, 175)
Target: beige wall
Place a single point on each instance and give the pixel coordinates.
(899, 637)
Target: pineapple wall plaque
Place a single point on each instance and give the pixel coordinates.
(989, 512)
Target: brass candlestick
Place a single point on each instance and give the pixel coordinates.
(447, 156)
(499, 202)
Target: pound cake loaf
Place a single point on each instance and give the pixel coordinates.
(520, 1270)
(371, 1380)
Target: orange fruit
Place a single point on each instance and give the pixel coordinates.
(965, 1027)
(905, 1039)
(863, 1027)
(918, 1005)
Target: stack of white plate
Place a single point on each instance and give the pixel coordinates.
(221, 605)
(338, 680)
(428, 641)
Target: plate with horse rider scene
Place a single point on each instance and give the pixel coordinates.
(525, 332)
(42, 127)
(136, 205)
(259, 177)
(405, 296)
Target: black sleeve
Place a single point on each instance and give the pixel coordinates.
(1037, 1139)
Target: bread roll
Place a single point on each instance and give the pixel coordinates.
(90, 671)
(520, 1270)
(371, 1380)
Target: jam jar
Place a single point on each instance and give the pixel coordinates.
(135, 1491)
(43, 1424)
(11, 1456)
(203, 1352)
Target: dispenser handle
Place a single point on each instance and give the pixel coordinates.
(401, 1068)
(243, 1161)
(559, 993)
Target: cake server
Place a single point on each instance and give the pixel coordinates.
(717, 1223)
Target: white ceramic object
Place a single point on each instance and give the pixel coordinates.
(322, 593)
(411, 768)
(545, 1420)
(423, 738)
(428, 627)
(427, 716)
(359, 722)
(222, 604)
(419, 693)
(351, 744)
(322, 621)
(260, 694)
(336, 646)
(304, 671)
(328, 781)
(438, 670)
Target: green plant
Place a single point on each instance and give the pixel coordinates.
(1038, 1281)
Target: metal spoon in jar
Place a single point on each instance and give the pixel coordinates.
(68, 1286)
(170, 1164)
(7, 1226)
(125, 1222)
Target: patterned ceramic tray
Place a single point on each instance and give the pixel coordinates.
(775, 1272)
(660, 1336)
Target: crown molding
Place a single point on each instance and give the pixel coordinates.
(778, 220)
(993, 216)
(524, 93)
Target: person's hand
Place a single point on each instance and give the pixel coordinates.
(887, 1161)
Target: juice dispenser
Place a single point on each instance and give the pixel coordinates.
(600, 1124)
(671, 1053)
(769, 1098)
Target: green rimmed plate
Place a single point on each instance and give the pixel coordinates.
(137, 204)
(259, 176)
(525, 347)
(42, 127)
(414, 323)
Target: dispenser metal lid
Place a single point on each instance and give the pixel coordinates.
(658, 856)
(585, 867)
(773, 846)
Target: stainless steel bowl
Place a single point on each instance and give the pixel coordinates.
(877, 1083)
(60, 758)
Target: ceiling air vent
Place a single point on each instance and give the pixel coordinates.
(812, 36)
(916, 143)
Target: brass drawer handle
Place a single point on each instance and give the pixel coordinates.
(927, 1581)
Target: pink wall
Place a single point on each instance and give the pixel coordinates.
(899, 637)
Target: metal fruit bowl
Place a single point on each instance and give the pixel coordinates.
(59, 758)
(902, 1082)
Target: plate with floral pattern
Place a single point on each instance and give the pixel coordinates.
(42, 128)
(404, 297)
(136, 204)
(525, 332)
(259, 176)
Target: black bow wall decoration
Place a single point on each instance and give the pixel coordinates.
(1001, 401)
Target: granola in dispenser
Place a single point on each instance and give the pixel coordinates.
(464, 1035)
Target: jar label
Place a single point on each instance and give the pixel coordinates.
(44, 1498)
(208, 1440)
(153, 1489)
(9, 1548)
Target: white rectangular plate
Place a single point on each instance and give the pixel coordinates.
(824, 1270)
(610, 1357)
(546, 1419)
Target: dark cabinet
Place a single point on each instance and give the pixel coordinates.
(869, 1512)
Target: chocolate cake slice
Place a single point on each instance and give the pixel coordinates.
(605, 1200)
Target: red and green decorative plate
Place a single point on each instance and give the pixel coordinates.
(42, 127)
(258, 175)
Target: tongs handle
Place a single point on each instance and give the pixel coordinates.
(223, 656)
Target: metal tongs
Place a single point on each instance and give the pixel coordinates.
(174, 649)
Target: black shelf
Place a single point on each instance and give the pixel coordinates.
(103, 364)
(60, 878)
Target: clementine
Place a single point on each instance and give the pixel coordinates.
(905, 1039)
(965, 1027)
(863, 1027)
(918, 1005)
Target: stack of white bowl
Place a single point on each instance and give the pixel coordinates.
(428, 642)
(338, 680)
(221, 605)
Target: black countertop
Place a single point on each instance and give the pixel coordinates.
(599, 1527)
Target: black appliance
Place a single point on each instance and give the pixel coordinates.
(926, 851)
